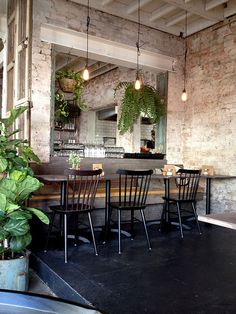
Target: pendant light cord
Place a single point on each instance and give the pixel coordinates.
(185, 49)
(138, 40)
(88, 23)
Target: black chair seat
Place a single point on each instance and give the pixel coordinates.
(125, 207)
(70, 210)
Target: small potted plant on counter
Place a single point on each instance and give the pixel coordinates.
(74, 161)
(16, 185)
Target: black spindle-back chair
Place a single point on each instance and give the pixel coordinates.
(133, 190)
(187, 184)
(81, 188)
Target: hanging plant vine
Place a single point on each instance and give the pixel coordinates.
(134, 102)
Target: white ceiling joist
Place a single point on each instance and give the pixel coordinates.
(165, 9)
(157, 13)
(177, 18)
(214, 3)
(198, 8)
(106, 2)
(133, 7)
(105, 50)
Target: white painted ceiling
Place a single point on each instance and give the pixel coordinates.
(169, 15)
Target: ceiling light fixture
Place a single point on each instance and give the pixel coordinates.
(137, 84)
(86, 72)
(184, 96)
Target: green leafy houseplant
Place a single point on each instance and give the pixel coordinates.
(72, 81)
(62, 111)
(134, 102)
(16, 186)
(74, 160)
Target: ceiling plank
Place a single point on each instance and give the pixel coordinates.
(214, 3)
(133, 7)
(230, 9)
(198, 8)
(177, 18)
(165, 9)
(106, 2)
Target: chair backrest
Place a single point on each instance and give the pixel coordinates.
(187, 184)
(133, 187)
(81, 188)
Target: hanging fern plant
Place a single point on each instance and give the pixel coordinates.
(134, 102)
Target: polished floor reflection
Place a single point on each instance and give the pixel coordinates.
(193, 275)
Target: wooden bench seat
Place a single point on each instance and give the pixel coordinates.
(101, 193)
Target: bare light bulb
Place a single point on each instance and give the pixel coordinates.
(184, 96)
(86, 74)
(137, 84)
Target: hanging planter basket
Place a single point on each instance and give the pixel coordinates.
(67, 85)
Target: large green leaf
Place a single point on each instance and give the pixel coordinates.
(19, 243)
(17, 175)
(43, 217)
(3, 234)
(17, 227)
(28, 154)
(27, 186)
(11, 207)
(8, 187)
(3, 164)
(3, 202)
(20, 214)
(15, 113)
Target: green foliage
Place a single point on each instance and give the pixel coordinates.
(61, 109)
(136, 102)
(74, 160)
(16, 186)
(78, 91)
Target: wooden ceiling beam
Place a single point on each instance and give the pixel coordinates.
(133, 7)
(165, 9)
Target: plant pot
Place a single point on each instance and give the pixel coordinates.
(14, 273)
(67, 85)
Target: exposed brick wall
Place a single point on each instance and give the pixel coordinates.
(210, 111)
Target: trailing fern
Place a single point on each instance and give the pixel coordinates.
(134, 102)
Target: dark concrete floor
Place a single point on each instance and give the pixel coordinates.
(196, 275)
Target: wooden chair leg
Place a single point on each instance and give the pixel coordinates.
(92, 231)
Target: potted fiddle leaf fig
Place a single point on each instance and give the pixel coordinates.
(134, 103)
(16, 185)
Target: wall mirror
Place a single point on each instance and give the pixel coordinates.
(97, 125)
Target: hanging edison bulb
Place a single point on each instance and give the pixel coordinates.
(184, 96)
(86, 71)
(137, 84)
(86, 74)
